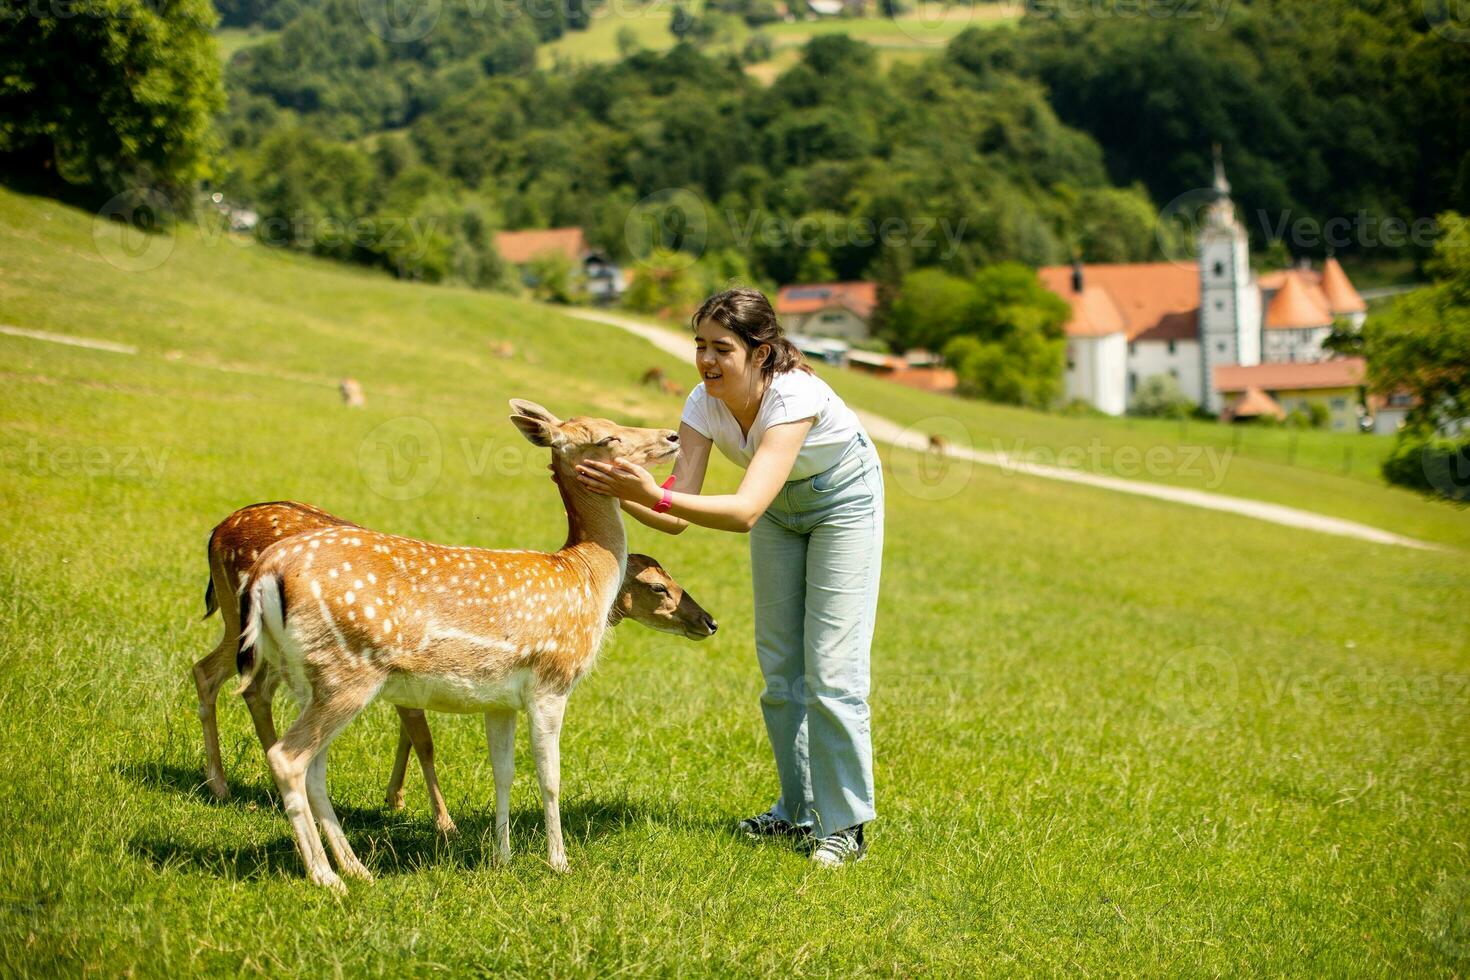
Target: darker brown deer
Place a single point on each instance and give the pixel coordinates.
(347, 615)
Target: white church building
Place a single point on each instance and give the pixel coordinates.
(1132, 321)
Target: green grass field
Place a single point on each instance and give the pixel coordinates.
(918, 34)
(1113, 735)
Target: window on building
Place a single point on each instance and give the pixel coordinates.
(1070, 362)
(1220, 346)
(1132, 349)
(1171, 347)
(1219, 304)
(1174, 373)
(1338, 404)
(1219, 269)
(1132, 381)
(832, 317)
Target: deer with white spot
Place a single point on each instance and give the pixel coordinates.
(348, 615)
(649, 595)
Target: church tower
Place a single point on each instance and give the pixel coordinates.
(1229, 300)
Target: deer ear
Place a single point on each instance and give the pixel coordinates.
(539, 432)
(519, 406)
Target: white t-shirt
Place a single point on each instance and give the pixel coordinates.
(790, 397)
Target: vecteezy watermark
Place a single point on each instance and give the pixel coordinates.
(1207, 462)
(1180, 221)
(1447, 917)
(1447, 471)
(401, 459)
(1198, 686)
(669, 227)
(403, 21)
(123, 462)
(1450, 19)
(943, 467)
(1201, 686)
(1213, 12)
(837, 231)
(1360, 230)
(129, 230)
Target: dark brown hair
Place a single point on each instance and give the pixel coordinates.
(747, 313)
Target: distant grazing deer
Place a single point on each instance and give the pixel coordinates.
(938, 445)
(352, 394)
(653, 376)
(348, 615)
(649, 596)
(670, 387)
(503, 348)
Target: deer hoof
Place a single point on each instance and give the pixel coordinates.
(330, 881)
(447, 827)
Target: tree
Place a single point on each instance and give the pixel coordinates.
(115, 97)
(1159, 396)
(931, 307)
(1422, 346)
(1013, 349)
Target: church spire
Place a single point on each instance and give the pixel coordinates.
(1222, 209)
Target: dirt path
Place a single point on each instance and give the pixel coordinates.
(889, 431)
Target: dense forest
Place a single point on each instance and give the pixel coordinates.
(402, 143)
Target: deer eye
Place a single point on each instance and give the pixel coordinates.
(659, 588)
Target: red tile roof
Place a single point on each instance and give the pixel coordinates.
(859, 297)
(1253, 403)
(520, 247)
(1342, 372)
(1341, 296)
(1298, 304)
(1152, 300)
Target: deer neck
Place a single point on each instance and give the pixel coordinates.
(594, 528)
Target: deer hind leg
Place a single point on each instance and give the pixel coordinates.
(500, 736)
(257, 693)
(321, 808)
(545, 713)
(290, 758)
(416, 725)
(393, 799)
(210, 674)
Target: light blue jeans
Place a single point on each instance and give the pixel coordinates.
(815, 557)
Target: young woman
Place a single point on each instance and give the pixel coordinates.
(812, 501)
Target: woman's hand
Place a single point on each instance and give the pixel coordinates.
(621, 479)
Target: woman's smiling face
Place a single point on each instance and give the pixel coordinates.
(723, 360)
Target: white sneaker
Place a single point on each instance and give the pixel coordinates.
(844, 847)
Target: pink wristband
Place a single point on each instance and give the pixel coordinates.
(668, 497)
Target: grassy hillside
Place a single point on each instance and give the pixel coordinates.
(1112, 735)
(917, 34)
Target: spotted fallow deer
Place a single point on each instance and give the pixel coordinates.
(649, 595)
(348, 615)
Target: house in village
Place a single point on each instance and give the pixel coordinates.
(840, 310)
(594, 271)
(1281, 387)
(1195, 320)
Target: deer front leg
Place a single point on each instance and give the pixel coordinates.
(210, 674)
(500, 737)
(545, 713)
(416, 725)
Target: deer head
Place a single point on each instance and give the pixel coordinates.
(651, 596)
(584, 438)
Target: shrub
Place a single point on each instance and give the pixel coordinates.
(1436, 466)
